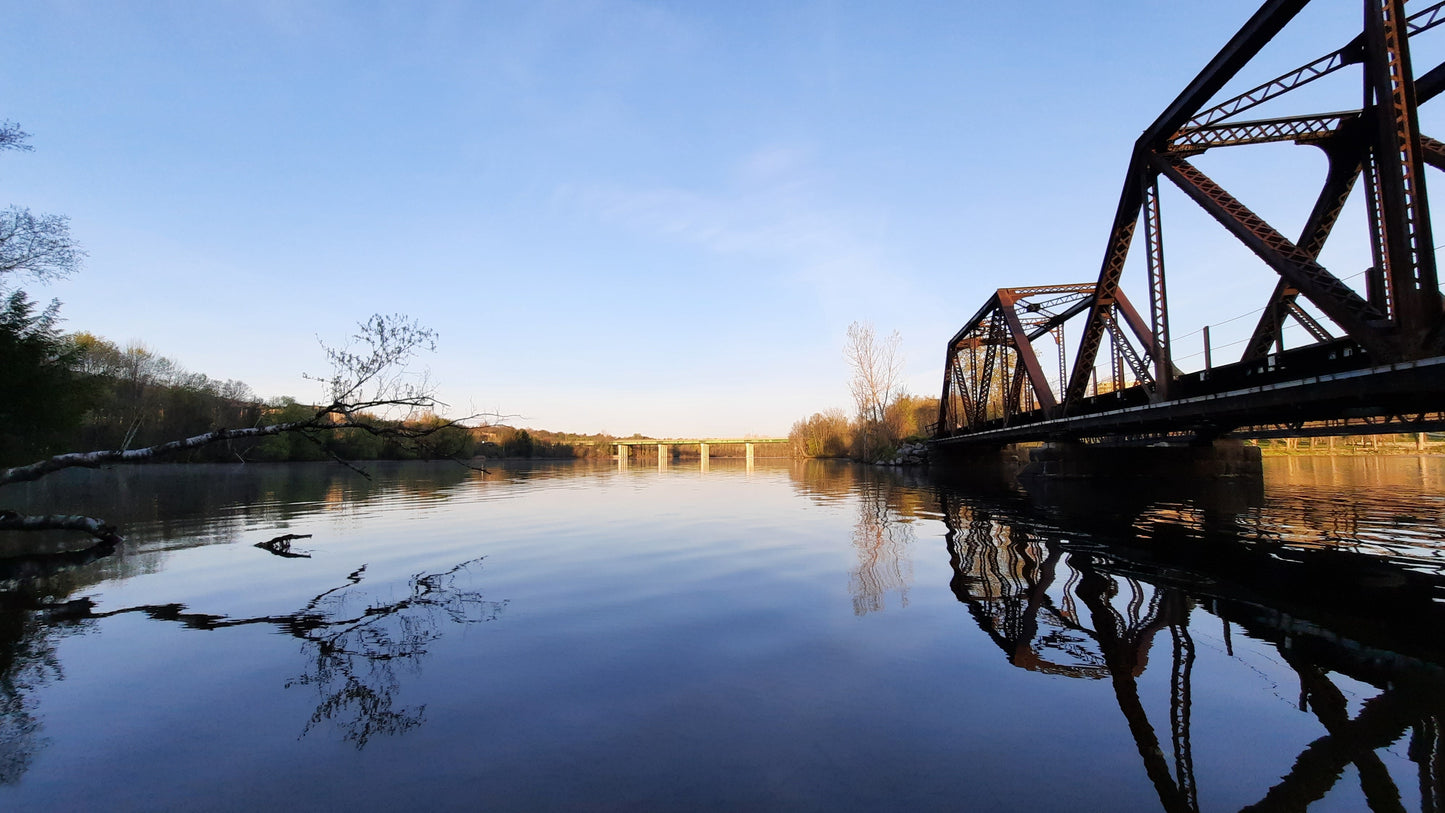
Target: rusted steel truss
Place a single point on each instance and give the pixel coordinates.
(993, 374)
(992, 369)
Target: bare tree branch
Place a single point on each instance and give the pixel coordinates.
(12, 137)
(877, 367)
(38, 245)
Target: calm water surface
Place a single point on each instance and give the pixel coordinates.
(791, 636)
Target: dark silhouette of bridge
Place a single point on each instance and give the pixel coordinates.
(1375, 359)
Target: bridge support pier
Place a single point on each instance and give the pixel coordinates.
(622, 450)
(702, 452)
(1222, 458)
(992, 468)
(749, 448)
(664, 455)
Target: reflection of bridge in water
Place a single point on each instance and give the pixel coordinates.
(1087, 609)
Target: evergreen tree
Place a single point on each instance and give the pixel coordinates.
(41, 397)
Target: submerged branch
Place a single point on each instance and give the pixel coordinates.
(281, 546)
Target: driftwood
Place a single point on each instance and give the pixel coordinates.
(13, 521)
(281, 546)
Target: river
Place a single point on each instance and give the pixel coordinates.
(791, 635)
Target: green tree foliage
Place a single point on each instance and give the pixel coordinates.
(42, 397)
(143, 398)
(506, 441)
(290, 445)
(519, 444)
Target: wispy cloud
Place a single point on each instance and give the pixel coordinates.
(774, 208)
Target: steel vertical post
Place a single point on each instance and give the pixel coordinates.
(1158, 302)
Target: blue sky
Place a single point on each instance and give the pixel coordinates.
(623, 217)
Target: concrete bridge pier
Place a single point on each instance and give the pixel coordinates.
(622, 451)
(664, 455)
(702, 452)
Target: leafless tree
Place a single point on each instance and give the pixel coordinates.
(34, 245)
(877, 367)
(12, 137)
(370, 380)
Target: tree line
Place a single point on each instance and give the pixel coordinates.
(63, 392)
(66, 392)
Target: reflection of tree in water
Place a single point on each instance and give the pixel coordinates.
(28, 661)
(31, 628)
(881, 538)
(358, 646)
(1094, 610)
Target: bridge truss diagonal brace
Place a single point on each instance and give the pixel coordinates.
(1338, 301)
(991, 352)
(1432, 151)
(1108, 297)
(1345, 166)
(1136, 364)
(1268, 21)
(1126, 220)
(955, 406)
(1028, 359)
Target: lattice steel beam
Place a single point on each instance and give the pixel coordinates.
(1126, 351)
(1337, 300)
(1299, 129)
(1241, 48)
(1408, 245)
(1126, 219)
(1158, 300)
(1344, 171)
(1350, 54)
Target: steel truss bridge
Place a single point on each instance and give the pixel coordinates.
(1376, 359)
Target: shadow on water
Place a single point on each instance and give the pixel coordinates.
(1091, 583)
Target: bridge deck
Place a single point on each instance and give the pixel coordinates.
(1402, 395)
(690, 441)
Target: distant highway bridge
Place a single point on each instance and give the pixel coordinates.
(1375, 360)
(704, 445)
